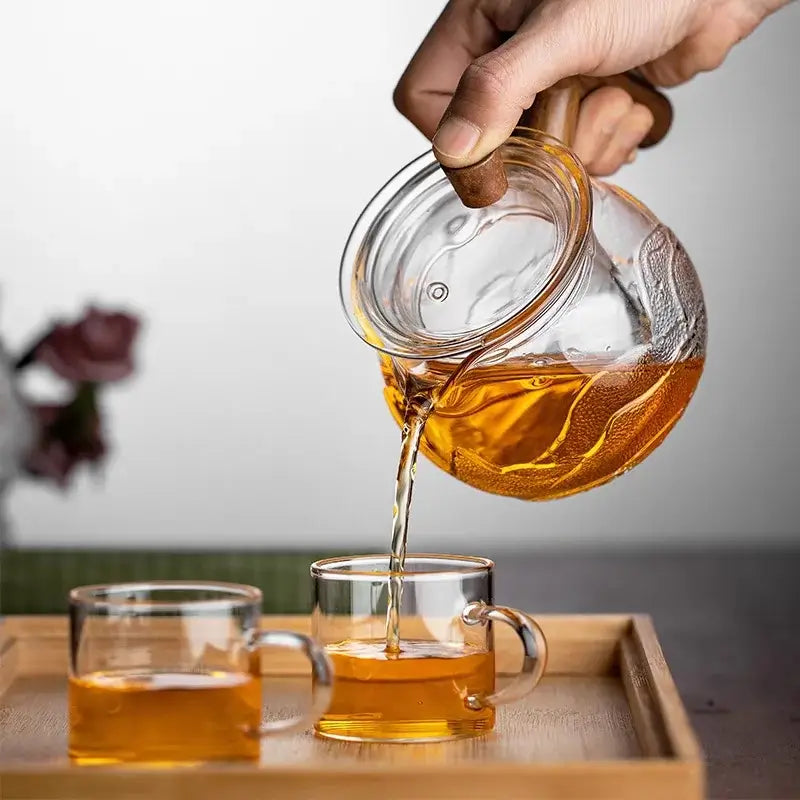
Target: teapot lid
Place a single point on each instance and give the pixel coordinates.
(423, 276)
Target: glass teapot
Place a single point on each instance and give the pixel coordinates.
(551, 340)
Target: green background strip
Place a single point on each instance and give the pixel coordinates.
(37, 581)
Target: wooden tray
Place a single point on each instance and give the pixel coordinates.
(605, 722)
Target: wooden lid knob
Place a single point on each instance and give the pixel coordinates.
(479, 185)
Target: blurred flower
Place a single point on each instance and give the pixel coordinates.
(49, 440)
(96, 349)
(67, 436)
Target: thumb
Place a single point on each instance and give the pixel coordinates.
(496, 88)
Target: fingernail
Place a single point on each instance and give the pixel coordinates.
(456, 137)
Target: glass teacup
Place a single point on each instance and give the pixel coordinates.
(169, 671)
(441, 683)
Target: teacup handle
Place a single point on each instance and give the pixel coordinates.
(321, 671)
(534, 647)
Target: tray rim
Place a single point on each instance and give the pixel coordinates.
(649, 688)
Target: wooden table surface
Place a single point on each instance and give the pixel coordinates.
(729, 624)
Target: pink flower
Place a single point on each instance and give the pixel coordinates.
(96, 349)
(67, 436)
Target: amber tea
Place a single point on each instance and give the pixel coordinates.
(538, 433)
(418, 693)
(164, 716)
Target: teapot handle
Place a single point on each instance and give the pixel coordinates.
(555, 110)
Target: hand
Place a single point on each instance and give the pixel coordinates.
(483, 62)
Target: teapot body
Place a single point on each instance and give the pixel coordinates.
(555, 338)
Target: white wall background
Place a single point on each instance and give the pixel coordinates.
(202, 162)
